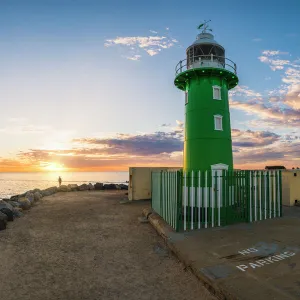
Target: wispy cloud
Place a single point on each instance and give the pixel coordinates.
(256, 40)
(245, 91)
(272, 115)
(133, 57)
(23, 125)
(249, 138)
(270, 57)
(152, 45)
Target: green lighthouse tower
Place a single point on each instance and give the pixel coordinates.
(206, 76)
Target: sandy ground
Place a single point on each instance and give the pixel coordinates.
(86, 245)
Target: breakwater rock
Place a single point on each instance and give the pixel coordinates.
(13, 207)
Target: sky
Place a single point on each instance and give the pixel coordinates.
(89, 85)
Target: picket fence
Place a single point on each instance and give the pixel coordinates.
(203, 199)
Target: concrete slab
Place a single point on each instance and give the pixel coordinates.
(245, 261)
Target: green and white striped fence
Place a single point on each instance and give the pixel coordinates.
(197, 199)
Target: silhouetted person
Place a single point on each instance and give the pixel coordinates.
(59, 181)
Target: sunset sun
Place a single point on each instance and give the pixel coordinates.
(54, 167)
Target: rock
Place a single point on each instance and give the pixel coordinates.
(9, 213)
(7, 209)
(123, 186)
(37, 196)
(143, 220)
(64, 188)
(83, 187)
(49, 191)
(110, 186)
(24, 203)
(14, 203)
(6, 204)
(91, 187)
(14, 198)
(99, 186)
(73, 187)
(30, 197)
(18, 213)
(3, 221)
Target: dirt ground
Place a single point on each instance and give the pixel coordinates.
(86, 245)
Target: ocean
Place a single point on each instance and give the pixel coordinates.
(18, 183)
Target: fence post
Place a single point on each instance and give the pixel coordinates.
(280, 193)
(179, 201)
(248, 189)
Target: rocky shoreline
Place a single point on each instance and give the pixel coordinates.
(13, 207)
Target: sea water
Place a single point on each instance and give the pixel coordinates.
(18, 183)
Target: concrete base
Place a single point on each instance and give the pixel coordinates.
(245, 261)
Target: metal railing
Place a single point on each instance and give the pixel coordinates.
(205, 61)
(197, 199)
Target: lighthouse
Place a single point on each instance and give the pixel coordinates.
(205, 77)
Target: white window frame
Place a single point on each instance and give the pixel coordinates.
(186, 97)
(216, 87)
(218, 117)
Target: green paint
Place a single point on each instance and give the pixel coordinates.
(203, 145)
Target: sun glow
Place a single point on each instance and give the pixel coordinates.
(54, 167)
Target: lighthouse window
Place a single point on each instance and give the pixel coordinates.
(186, 97)
(218, 122)
(217, 93)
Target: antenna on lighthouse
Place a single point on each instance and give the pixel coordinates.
(204, 26)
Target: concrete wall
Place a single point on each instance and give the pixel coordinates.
(290, 187)
(140, 182)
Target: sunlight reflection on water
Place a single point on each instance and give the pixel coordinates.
(18, 183)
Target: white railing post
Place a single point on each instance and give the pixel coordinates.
(265, 181)
(192, 201)
(260, 195)
(212, 197)
(184, 201)
(206, 190)
(278, 193)
(274, 193)
(250, 200)
(255, 195)
(219, 199)
(199, 199)
(270, 196)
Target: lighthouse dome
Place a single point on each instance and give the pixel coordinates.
(205, 52)
(205, 37)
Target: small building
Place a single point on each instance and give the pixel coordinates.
(290, 187)
(139, 187)
(275, 168)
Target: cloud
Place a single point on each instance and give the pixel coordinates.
(287, 154)
(244, 91)
(271, 115)
(133, 57)
(153, 31)
(270, 57)
(273, 52)
(282, 105)
(250, 139)
(146, 144)
(120, 151)
(22, 126)
(256, 40)
(152, 45)
(275, 64)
